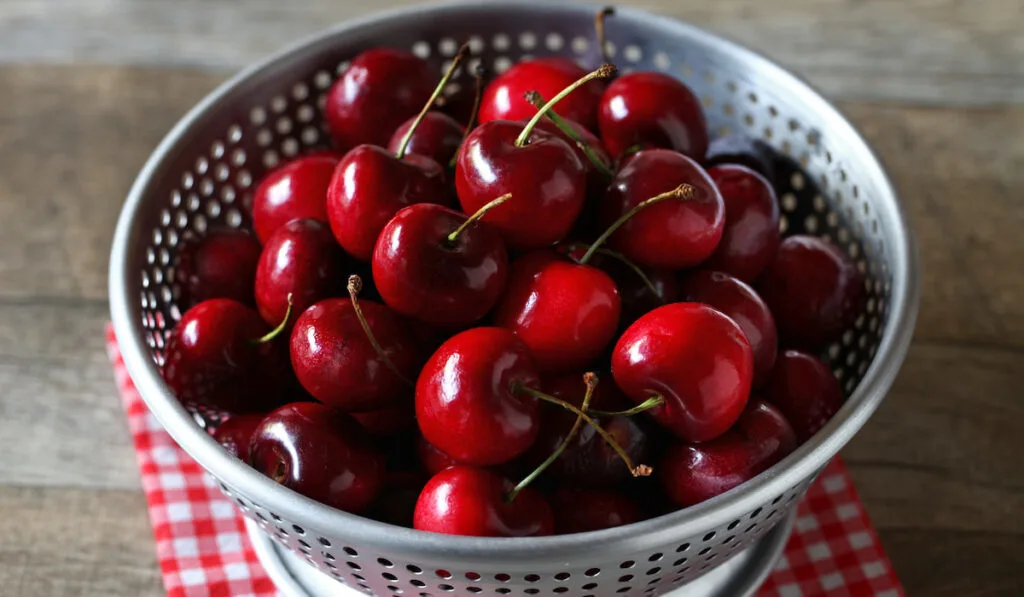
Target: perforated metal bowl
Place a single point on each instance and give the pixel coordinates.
(202, 176)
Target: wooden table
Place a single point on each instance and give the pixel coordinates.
(90, 87)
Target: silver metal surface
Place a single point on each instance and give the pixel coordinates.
(202, 175)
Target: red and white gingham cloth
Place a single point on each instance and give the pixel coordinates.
(203, 549)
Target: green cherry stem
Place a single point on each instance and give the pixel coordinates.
(683, 191)
(463, 51)
(538, 102)
(479, 76)
(450, 239)
(355, 285)
(274, 333)
(625, 261)
(603, 72)
(653, 402)
(602, 41)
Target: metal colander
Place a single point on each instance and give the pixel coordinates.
(202, 176)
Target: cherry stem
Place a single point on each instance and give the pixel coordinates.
(626, 261)
(479, 76)
(538, 102)
(653, 402)
(463, 51)
(602, 42)
(683, 191)
(636, 470)
(590, 379)
(355, 285)
(603, 72)
(476, 216)
(274, 333)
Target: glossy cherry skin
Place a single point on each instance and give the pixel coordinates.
(546, 179)
(235, 433)
(596, 182)
(431, 459)
(303, 260)
(319, 452)
(652, 110)
(370, 185)
(744, 151)
(397, 501)
(804, 389)
(379, 90)
(696, 358)
(437, 137)
(393, 419)
(220, 265)
(422, 275)
(741, 304)
(751, 236)
(470, 501)
(294, 191)
(566, 313)
(465, 399)
(581, 510)
(505, 97)
(212, 359)
(337, 365)
(675, 233)
(814, 290)
(692, 473)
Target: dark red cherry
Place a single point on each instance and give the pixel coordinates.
(294, 191)
(319, 452)
(814, 290)
(692, 473)
(596, 180)
(739, 301)
(397, 417)
(565, 312)
(235, 434)
(465, 500)
(697, 359)
(804, 389)
(213, 359)
(673, 234)
(467, 402)
(338, 365)
(652, 110)
(744, 151)
(437, 137)
(220, 265)
(581, 510)
(432, 459)
(751, 235)
(376, 93)
(301, 259)
(421, 273)
(505, 97)
(397, 500)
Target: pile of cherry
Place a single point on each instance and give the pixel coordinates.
(576, 314)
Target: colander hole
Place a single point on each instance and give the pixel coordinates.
(503, 590)
(351, 552)
(388, 576)
(417, 583)
(531, 578)
(443, 573)
(353, 565)
(562, 576)
(704, 551)
(446, 588)
(474, 589)
(682, 547)
(623, 590)
(589, 586)
(527, 40)
(654, 580)
(633, 53)
(709, 536)
(679, 562)
(234, 133)
(626, 578)
(561, 589)
(394, 589)
(532, 591)
(358, 576)
(414, 569)
(662, 61)
(592, 572)
(580, 45)
(554, 42)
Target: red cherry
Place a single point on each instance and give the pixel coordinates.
(302, 260)
(641, 290)
(814, 291)
(751, 236)
(696, 358)
(437, 137)
(806, 392)
(504, 98)
(376, 93)
(220, 265)
(422, 273)
(743, 151)
(397, 501)
(397, 417)
(581, 510)
(337, 363)
(673, 234)
(652, 110)
(319, 452)
(466, 401)
(692, 473)
(465, 500)
(738, 301)
(432, 459)
(565, 312)
(294, 191)
(583, 141)
(235, 434)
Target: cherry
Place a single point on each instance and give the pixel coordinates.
(294, 191)
(397, 501)
(433, 264)
(319, 452)
(393, 419)
(235, 433)
(696, 358)
(465, 500)
(675, 234)
(585, 144)
(580, 510)
(300, 260)
(743, 151)
(376, 93)
(652, 110)
(814, 291)
(504, 98)
(803, 388)
(741, 304)
(466, 399)
(220, 265)
(692, 473)
(566, 313)
(222, 355)
(751, 235)
(437, 137)
(432, 459)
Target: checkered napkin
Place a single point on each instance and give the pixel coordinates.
(203, 549)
